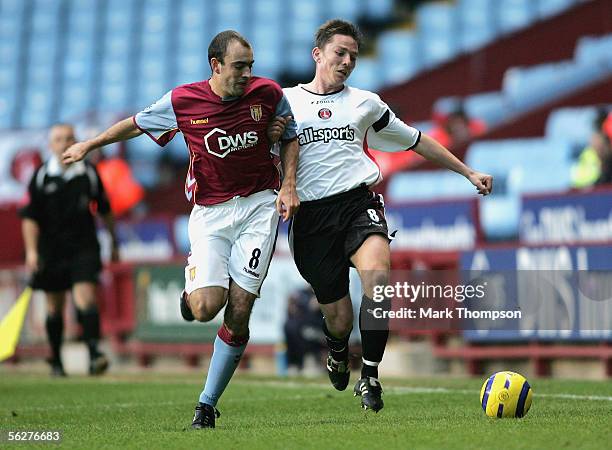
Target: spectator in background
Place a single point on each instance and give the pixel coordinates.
(456, 128)
(302, 328)
(62, 249)
(124, 192)
(594, 165)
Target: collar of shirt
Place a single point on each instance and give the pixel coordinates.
(54, 169)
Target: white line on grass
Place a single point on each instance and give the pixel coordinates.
(295, 385)
(425, 390)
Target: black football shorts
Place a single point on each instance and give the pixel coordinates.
(60, 272)
(325, 233)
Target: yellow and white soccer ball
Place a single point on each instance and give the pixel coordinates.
(506, 394)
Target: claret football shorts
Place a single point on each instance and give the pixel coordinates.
(234, 239)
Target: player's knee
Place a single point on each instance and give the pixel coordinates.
(201, 309)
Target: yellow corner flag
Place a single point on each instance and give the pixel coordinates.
(10, 327)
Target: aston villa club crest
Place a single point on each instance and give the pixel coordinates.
(256, 113)
(325, 113)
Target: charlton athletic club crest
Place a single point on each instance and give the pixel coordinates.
(256, 113)
(324, 113)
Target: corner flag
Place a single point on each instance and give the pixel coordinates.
(10, 327)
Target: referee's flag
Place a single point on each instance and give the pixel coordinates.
(10, 327)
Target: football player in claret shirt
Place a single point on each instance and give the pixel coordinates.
(228, 123)
(341, 223)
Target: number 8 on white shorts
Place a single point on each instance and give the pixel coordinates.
(234, 239)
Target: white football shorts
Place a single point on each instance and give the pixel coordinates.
(234, 239)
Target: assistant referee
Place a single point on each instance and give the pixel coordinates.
(62, 249)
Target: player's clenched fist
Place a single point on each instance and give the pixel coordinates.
(482, 181)
(75, 152)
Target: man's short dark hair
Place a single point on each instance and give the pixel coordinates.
(337, 26)
(218, 46)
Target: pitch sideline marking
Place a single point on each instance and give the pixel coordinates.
(294, 385)
(428, 390)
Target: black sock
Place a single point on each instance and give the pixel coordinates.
(374, 336)
(55, 331)
(338, 347)
(90, 321)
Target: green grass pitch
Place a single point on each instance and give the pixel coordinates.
(154, 411)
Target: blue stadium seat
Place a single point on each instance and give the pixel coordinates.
(181, 234)
(594, 50)
(350, 9)
(476, 23)
(528, 87)
(497, 157)
(75, 101)
(146, 171)
(380, 10)
(515, 14)
(267, 50)
(303, 20)
(366, 74)
(231, 15)
(573, 125)
(491, 107)
(143, 148)
(548, 8)
(37, 106)
(499, 216)
(190, 67)
(299, 59)
(428, 185)
(437, 30)
(399, 54)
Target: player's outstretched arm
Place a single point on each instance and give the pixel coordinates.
(431, 150)
(121, 131)
(288, 203)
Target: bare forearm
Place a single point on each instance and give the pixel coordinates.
(121, 131)
(289, 159)
(30, 231)
(431, 150)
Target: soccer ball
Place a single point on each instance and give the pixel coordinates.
(506, 394)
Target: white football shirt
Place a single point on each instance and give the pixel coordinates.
(334, 133)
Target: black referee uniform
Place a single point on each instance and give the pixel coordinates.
(63, 205)
(63, 202)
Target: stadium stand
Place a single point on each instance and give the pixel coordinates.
(67, 60)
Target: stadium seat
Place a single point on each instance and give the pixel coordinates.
(490, 107)
(231, 15)
(303, 20)
(399, 54)
(594, 50)
(380, 10)
(515, 14)
(497, 157)
(427, 185)
(573, 125)
(181, 234)
(366, 74)
(548, 8)
(437, 31)
(37, 107)
(349, 9)
(477, 24)
(499, 216)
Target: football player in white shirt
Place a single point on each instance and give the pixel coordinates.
(341, 223)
